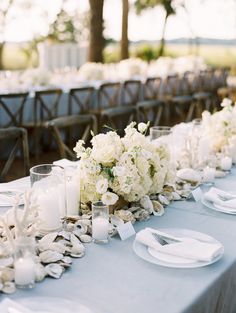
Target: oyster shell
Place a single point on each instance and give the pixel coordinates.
(189, 175)
(141, 215)
(50, 256)
(77, 250)
(146, 203)
(7, 274)
(158, 208)
(9, 287)
(54, 270)
(6, 261)
(85, 238)
(40, 272)
(163, 200)
(125, 215)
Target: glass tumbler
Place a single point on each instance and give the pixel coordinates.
(100, 222)
(49, 194)
(159, 131)
(24, 265)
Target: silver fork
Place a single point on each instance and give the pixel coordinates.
(163, 240)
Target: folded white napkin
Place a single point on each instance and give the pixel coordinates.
(66, 163)
(188, 248)
(221, 198)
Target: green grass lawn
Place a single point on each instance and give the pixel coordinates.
(21, 56)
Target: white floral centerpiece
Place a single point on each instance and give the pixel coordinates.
(220, 127)
(129, 168)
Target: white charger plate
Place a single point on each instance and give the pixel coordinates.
(152, 256)
(52, 305)
(217, 208)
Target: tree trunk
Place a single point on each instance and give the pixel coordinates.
(2, 44)
(162, 43)
(96, 42)
(124, 44)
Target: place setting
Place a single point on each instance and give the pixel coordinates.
(177, 248)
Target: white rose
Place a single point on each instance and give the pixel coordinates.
(102, 185)
(142, 127)
(109, 198)
(226, 102)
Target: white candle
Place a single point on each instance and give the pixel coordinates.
(208, 174)
(226, 163)
(49, 210)
(100, 228)
(24, 271)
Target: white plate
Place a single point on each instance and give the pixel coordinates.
(217, 208)
(168, 261)
(7, 196)
(52, 305)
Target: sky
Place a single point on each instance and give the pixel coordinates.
(205, 18)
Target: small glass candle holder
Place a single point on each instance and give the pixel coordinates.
(49, 194)
(100, 222)
(24, 265)
(159, 131)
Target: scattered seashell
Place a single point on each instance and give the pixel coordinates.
(189, 175)
(66, 262)
(176, 196)
(125, 215)
(77, 249)
(64, 234)
(142, 215)
(6, 261)
(168, 188)
(50, 256)
(54, 270)
(9, 287)
(163, 200)
(7, 274)
(158, 208)
(220, 174)
(47, 239)
(85, 238)
(40, 272)
(146, 203)
(168, 195)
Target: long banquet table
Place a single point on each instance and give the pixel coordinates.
(113, 279)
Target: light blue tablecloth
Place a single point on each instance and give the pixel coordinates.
(113, 279)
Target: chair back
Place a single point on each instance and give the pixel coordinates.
(109, 95)
(150, 110)
(131, 92)
(12, 109)
(118, 118)
(152, 88)
(81, 100)
(46, 103)
(17, 136)
(84, 122)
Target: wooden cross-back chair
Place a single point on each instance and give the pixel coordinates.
(81, 100)
(109, 95)
(150, 110)
(46, 104)
(118, 118)
(86, 123)
(13, 105)
(18, 136)
(131, 92)
(152, 88)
